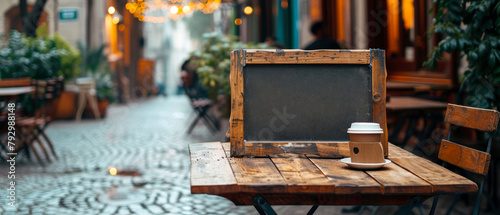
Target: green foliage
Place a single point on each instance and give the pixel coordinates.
(69, 62)
(93, 60)
(96, 66)
(36, 57)
(213, 61)
(479, 40)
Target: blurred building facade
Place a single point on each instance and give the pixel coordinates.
(91, 22)
(401, 27)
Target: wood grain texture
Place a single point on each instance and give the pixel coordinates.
(323, 149)
(379, 76)
(464, 157)
(322, 199)
(406, 103)
(236, 120)
(292, 56)
(302, 176)
(210, 170)
(15, 82)
(227, 148)
(347, 180)
(476, 118)
(396, 180)
(441, 179)
(257, 175)
(398, 152)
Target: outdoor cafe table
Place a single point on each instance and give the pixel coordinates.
(309, 180)
(8, 95)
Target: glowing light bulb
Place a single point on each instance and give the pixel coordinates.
(248, 10)
(111, 10)
(174, 10)
(238, 21)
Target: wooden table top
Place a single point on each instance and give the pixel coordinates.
(398, 85)
(214, 172)
(397, 103)
(14, 91)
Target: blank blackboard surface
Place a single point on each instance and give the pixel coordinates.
(305, 102)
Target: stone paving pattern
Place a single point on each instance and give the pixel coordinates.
(147, 135)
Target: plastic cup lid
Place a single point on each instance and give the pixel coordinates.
(365, 128)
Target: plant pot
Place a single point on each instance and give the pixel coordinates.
(64, 106)
(102, 106)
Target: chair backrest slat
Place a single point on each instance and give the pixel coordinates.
(15, 82)
(464, 157)
(475, 118)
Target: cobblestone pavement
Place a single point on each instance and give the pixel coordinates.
(148, 136)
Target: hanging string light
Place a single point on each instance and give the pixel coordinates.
(157, 11)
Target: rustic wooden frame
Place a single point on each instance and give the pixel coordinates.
(240, 58)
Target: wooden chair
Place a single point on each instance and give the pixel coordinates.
(11, 82)
(201, 105)
(33, 127)
(471, 160)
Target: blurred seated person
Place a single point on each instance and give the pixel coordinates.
(271, 41)
(321, 42)
(189, 79)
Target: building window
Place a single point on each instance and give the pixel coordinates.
(13, 19)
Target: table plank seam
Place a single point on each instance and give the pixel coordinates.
(283, 177)
(308, 158)
(432, 186)
(381, 185)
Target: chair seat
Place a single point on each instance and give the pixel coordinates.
(32, 121)
(202, 102)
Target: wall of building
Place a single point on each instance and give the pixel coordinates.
(71, 30)
(6, 5)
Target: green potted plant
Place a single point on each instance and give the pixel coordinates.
(472, 28)
(212, 64)
(95, 66)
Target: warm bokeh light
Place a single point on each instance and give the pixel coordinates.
(174, 10)
(115, 20)
(113, 171)
(284, 4)
(238, 21)
(121, 27)
(111, 10)
(248, 10)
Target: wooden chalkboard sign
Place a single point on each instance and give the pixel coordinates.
(300, 101)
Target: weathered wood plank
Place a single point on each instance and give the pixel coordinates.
(210, 170)
(406, 103)
(323, 149)
(379, 76)
(441, 179)
(257, 175)
(398, 152)
(227, 148)
(347, 180)
(476, 118)
(307, 57)
(15, 82)
(302, 176)
(396, 180)
(236, 120)
(464, 157)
